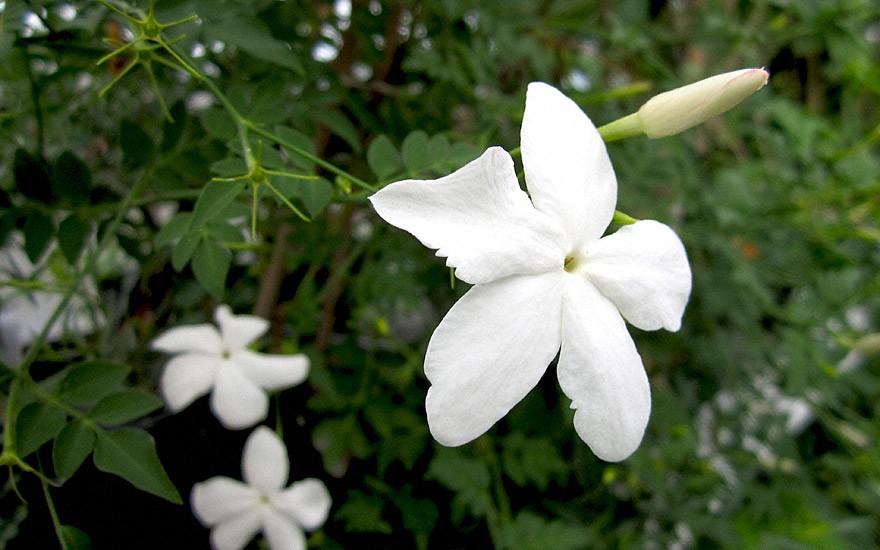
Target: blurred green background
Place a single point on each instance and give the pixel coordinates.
(764, 425)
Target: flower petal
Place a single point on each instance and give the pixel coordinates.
(190, 339)
(489, 351)
(307, 501)
(236, 401)
(602, 373)
(644, 270)
(568, 172)
(220, 498)
(281, 533)
(273, 372)
(264, 463)
(235, 532)
(239, 331)
(186, 378)
(477, 218)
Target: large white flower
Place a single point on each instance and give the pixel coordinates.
(236, 511)
(208, 360)
(544, 278)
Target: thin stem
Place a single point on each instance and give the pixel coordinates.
(317, 160)
(56, 522)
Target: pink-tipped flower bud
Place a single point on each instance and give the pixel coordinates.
(679, 109)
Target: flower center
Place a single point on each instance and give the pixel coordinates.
(225, 354)
(570, 264)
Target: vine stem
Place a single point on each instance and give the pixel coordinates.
(53, 513)
(21, 371)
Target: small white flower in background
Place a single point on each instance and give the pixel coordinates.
(544, 277)
(24, 312)
(677, 110)
(236, 511)
(208, 360)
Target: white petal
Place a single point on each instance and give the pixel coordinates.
(264, 464)
(489, 351)
(186, 378)
(237, 531)
(644, 270)
(478, 218)
(192, 338)
(568, 172)
(273, 372)
(281, 533)
(602, 373)
(236, 401)
(239, 331)
(220, 498)
(307, 501)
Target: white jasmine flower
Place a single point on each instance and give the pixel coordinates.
(544, 278)
(237, 511)
(208, 360)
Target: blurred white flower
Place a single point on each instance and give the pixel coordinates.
(544, 277)
(236, 511)
(208, 360)
(24, 312)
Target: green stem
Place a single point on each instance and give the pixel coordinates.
(317, 160)
(628, 126)
(56, 522)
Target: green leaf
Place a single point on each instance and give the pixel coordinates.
(75, 539)
(88, 382)
(136, 144)
(37, 423)
(419, 515)
(231, 167)
(184, 249)
(338, 440)
(172, 130)
(467, 477)
(124, 406)
(302, 141)
(225, 231)
(362, 513)
(32, 176)
(72, 234)
(71, 179)
(340, 125)
(383, 158)
(460, 154)
(38, 231)
(415, 151)
(130, 453)
(532, 460)
(438, 148)
(529, 531)
(210, 265)
(253, 36)
(215, 196)
(174, 229)
(75, 442)
(219, 124)
(316, 194)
